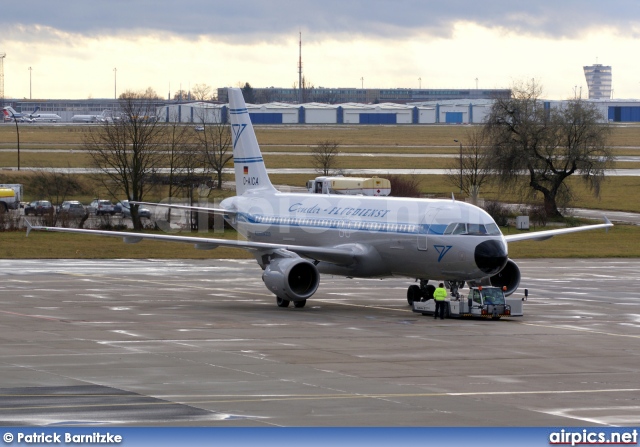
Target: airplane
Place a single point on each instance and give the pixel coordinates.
(104, 116)
(44, 117)
(295, 237)
(13, 115)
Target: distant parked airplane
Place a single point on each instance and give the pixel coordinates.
(13, 115)
(104, 116)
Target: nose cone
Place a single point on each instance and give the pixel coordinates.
(491, 256)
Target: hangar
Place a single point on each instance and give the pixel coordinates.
(466, 111)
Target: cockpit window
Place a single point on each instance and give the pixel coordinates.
(475, 229)
(492, 229)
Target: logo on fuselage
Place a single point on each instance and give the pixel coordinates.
(442, 250)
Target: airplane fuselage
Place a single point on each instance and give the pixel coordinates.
(47, 117)
(397, 236)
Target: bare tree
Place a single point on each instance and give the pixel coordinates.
(404, 185)
(202, 92)
(181, 95)
(215, 146)
(126, 151)
(324, 156)
(472, 169)
(536, 148)
(182, 156)
(307, 90)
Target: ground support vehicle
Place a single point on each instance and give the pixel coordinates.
(481, 302)
(10, 196)
(373, 186)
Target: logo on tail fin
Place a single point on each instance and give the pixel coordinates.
(237, 130)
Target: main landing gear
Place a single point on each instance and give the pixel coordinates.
(422, 292)
(281, 302)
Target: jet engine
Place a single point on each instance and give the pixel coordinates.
(508, 277)
(293, 279)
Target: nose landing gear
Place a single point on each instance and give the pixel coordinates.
(423, 292)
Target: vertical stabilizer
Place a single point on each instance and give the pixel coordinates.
(251, 173)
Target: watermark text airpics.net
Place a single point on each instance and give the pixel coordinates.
(589, 437)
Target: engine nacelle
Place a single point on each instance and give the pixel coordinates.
(292, 279)
(509, 276)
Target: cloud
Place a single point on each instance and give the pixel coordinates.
(259, 20)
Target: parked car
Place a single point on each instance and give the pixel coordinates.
(72, 208)
(38, 207)
(100, 207)
(126, 210)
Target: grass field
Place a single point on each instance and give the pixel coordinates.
(620, 241)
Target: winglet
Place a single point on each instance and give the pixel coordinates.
(608, 222)
(29, 227)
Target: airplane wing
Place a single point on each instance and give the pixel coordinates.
(188, 207)
(342, 255)
(544, 235)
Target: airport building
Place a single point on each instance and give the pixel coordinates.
(365, 95)
(467, 111)
(451, 112)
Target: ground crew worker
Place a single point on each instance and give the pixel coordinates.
(439, 295)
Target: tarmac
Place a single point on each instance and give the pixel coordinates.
(202, 343)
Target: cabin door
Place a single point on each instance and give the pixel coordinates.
(423, 230)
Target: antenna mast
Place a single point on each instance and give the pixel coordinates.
(300, 72)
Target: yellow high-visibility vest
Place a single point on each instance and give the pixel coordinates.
(440, 294)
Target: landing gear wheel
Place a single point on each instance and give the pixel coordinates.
(282, 302)
(429, 289)
(299, 304)
(413, 294)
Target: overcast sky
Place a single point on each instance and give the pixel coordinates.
(73, 46)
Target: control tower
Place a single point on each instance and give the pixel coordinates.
(598, 80)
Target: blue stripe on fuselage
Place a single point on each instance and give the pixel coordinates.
(342, 224)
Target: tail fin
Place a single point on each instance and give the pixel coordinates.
(251, 173)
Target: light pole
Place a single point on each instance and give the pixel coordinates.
(18, 135)
(115, 72)
(460, 164)
(30, 69)
(420, 83)
(362, 83)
